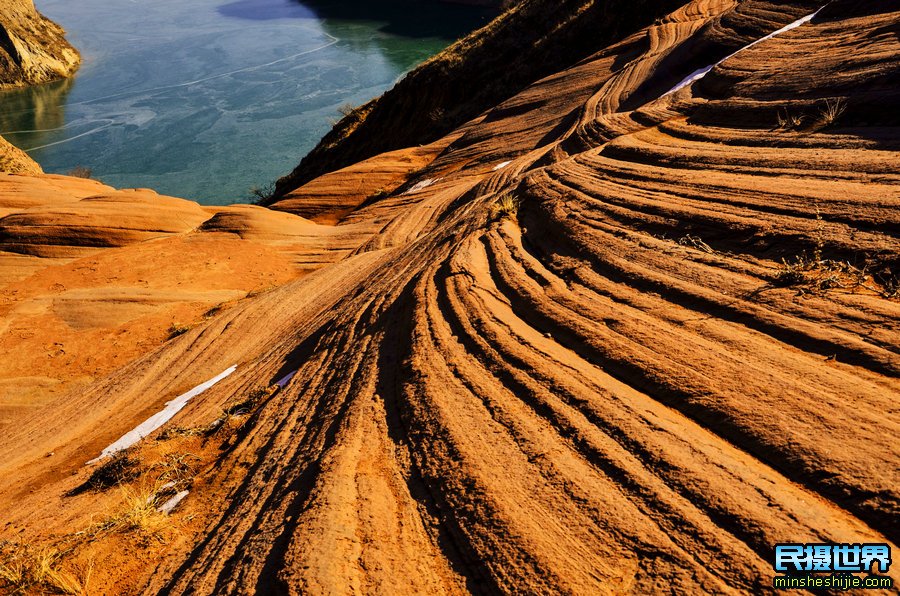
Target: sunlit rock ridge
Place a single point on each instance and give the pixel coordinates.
(33, 49)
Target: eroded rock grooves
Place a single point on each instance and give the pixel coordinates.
(614, 384)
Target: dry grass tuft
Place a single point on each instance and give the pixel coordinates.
(346, 109)
(818, 276)
(235, 414)
(25, 571)
(506, 206)
(137, 513)
(813, 273)
(696, 242)
(788, 121)
(49, 573)
(177, 469)
(13, 574)
(832, 110)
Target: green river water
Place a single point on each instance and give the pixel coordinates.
(205, 99)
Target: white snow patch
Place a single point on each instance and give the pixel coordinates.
(500, 166)
(160, 418)
(700, 73)
(421, 185)
(172, 503)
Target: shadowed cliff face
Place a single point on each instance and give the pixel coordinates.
(33, 49)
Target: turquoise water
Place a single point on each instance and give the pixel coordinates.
(205, 99)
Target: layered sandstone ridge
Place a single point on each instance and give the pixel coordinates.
(92, 277)
(601, 339)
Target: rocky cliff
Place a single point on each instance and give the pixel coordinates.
(33, 49)
(15, 161)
